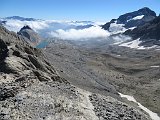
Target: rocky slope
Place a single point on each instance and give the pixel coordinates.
(109, 68)
(131, 19)
(31, 89)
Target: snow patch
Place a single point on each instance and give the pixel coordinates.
(153, 115)
(136, 18)
(154, 46)
(132, 28)
(135, 44)
(132, 44)
(155, 66)
(118, 55)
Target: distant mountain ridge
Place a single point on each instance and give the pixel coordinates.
(132, 19)
(20, 18)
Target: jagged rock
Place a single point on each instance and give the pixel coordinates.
(7, 93)
(25, 27)
(42, 76)
(17, 53)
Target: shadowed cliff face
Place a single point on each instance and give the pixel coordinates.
(31, 88)
(148, 33)
(144, 11)
(3, 50)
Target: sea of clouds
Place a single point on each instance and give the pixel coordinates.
(60, 29)
(66, 30)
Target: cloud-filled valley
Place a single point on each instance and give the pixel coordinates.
(81, 34)
(71, 30)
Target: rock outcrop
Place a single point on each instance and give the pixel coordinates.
(32, 36)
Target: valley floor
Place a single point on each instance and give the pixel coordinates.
(110, 69)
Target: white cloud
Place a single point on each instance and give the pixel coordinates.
(16, 25)
(120, 38)
(116, 28)
(82, 34)
(60, 29)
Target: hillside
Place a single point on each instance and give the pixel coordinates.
(31, 88)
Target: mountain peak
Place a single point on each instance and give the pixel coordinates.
(147, 11)
(145, 8)
(133, 19)
(26, 27)
(143, 11)
(29, 33)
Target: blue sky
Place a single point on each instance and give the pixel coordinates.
(96, 10)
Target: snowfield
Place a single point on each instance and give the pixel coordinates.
(153, 115)
(136, 18)
(155, 66)
(133, 44)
